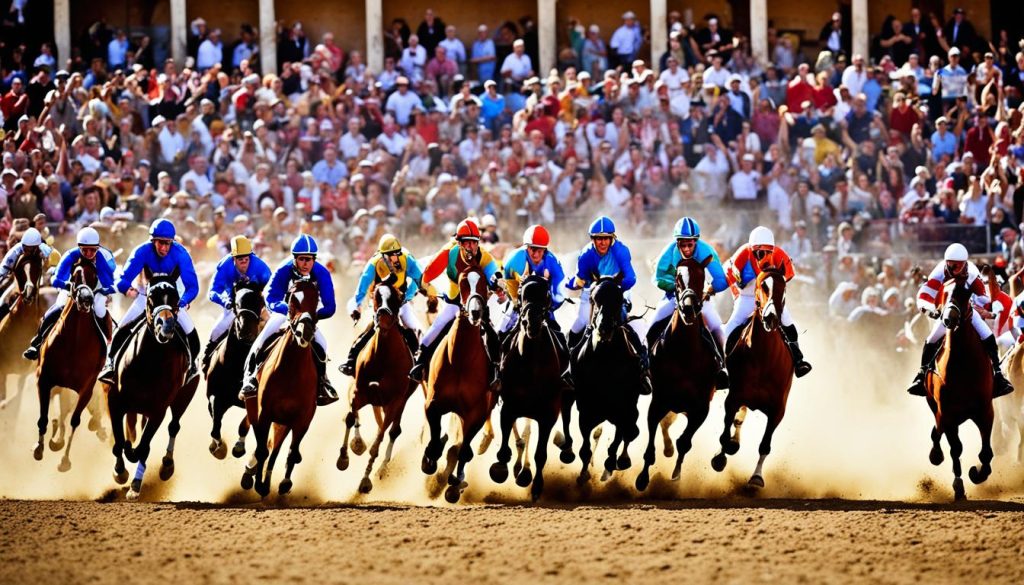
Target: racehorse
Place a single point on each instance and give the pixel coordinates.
(227, 363)
(381, 381)
(286, 398)
(607, 379)
(531, 381)
(959, 388)
(72, 356)
(760, 371)
(457, 381)
(20, 324)
(683, 367)
(149, 379)
(1009, 424)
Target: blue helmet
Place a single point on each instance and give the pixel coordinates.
(304, 244)
(602, 228)
(162, 229)
(686, 229)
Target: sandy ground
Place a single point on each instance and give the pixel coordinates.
(828, 541)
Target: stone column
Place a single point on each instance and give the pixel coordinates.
(268, 37)
(62, 31)
(861, 34)
(659, 31)
(374, 35)
(179, 32)
(759, 30)
(547, 37)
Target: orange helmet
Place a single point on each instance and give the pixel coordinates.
(536, 236)
(467, 230)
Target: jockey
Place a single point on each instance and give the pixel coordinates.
(31, 244)
(240, 266)
(534, 256)
(742, 270)
(465, 247)
(606, 256)
(302, 264)
(396, 266)
(88, 250)
(688, 244)
(955, 265)
(161, 255)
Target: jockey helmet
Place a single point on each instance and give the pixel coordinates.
(536, 236)
(603, 227)
(488, 221)
(956, 253)
(31, 237)
(162, 229)
(467, 230)
(389, 244)
(240, 246)
(88, 237)
(304, 244)
(687, 229)
(761, 236)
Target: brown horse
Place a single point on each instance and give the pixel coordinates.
(531, 381)
(458, 380)
(683, 368)
(381, 381)
(760, 370)
(286, 398)
(73, 354)
(21, 323)
(960, 387)
(149, 380)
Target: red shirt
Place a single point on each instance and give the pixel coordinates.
(798, 92)
(977, 143)
(903, 120)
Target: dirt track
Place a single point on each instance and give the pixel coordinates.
(725, 541)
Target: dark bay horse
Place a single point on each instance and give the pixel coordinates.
(224, 373)
(150, 379)
(760, 370)
(286, 397)
(72, 355)
(683, 368)
(21, 323)
(607, 380)
(531, 381)
(457, 381)
(381, 381)
(960, 386)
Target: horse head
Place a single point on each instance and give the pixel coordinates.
(83, 285)
(607, 303)
(770, 295)
(28, 271)
(473, 294)
(387, 301)
(303, 297)
(162, 304)
(958, 306)
(535, 303)
(690, 289)
(248, 311)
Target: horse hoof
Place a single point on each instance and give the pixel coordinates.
(56, 444)
(606, 475)
(102, 435)
(365, 486)
(499, 473)
(525, 478)
(358, 446)
(958, 490)
(121, 476)
(670, 451)
(756, 481)
(676, 475)
(597, 434)
(239, 449)
(342, 462)
(718, 462)
(285, 487)
(643, 480)
(977, 475)
(167, 469)
(37, 453)
(218, 449)
(95, 424)
(247, 480)
(453, 479)
(263, 489)
(935, 456)
(538, 488)
(558, 439)
(65, 465)
(132, 494)
(136, 487)
(583, 478)
(452, 494)
(567, 456)
(624, 462)
(731, 448)
(429, 466)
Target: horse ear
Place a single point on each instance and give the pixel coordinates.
(149, 273)
(619, 277)
(175, 273)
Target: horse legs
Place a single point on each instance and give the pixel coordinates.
(435, 444)
(45, 391)
(757, 480)
(935, 456)
(254, 471)
(694, 420)
(541, 456)
(665, 437)
(980, 474)
(586, 452)
(524, 477)
(84, 399)
(499, 469)
(630, 431)
(719, 460)
(655, 417)
(243, 429)
(142, 453)
(956, 448)
(358, 445)
(566, 456)
(396, 429)
(167, 464)
(609, 462)
(61, 422)
(382, 427)
(217, 447)
(280, 432)
(488, 438)
(351, 419)
(117, 430)
(294, 457)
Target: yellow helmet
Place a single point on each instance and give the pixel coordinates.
(389, 243)
(54, 258)
(241, 246)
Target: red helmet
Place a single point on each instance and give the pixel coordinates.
(536, 236)
(467, 230)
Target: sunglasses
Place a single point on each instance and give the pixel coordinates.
(305, 258)
(534, 249)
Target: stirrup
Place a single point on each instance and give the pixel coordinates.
(917, 386)
(348, 368)
(325, 393)
(107, 375)
(417, 371)
(802, 369)
(1000, 385)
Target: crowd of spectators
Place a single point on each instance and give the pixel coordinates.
(862, 163)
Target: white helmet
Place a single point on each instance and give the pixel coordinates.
(32, 237)
(761, 236)
(956, 253)
(88, 237)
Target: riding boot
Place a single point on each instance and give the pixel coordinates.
(411, 340)
(802, 367)
(1000, 385)
(493, 348)
(349, 367)
(249, 380)
(563, 356)
(325, 392)
(121, 336)
(32, 353)
(211, 345)
(419, 366)
(927, 357)
(642, 358)
(194, 345)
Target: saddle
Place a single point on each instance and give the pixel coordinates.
(736, 334)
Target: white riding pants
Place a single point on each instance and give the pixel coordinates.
(99, 304)
(445, 315)
(711, 318)
(743, 309)
(138, 308)
(979, 325)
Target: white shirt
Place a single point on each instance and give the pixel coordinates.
(744, 185)
(394, 144)
(625, 40)
(202, 182)
(518, 66)
(853, 80)
(976, 209)
(675, 81)
(717, 77)
(616, 200)
(209, 54)
(402, 105)
(350, 143)
(170, 144)
(456, 50)
(413, 61)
